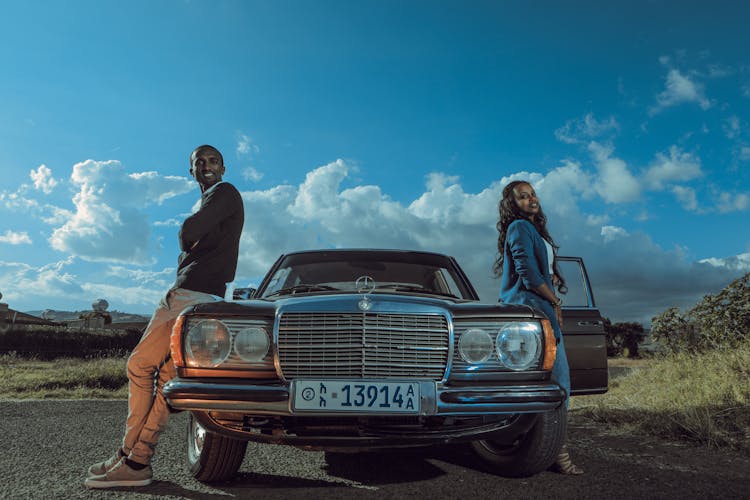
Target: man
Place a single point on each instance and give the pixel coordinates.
(209, 240)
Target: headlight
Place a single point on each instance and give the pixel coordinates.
(251, 344)
(519, 345)
(475, 346)
(207, 343)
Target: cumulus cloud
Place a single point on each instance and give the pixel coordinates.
(634, 278)
(739, 262)
(615, 183)
(251, 174)
(245, 145)
(728, 202)
(43, 180)
(677, 167)
(14, 238)
(687, 198)
(109, 210)
(678, 89)
(581, 130)
(732, 127)
(24, 283)
(611, 233)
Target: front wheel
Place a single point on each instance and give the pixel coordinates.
(211, 457)
(531, 452)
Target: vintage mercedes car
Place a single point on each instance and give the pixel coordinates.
(345, 350)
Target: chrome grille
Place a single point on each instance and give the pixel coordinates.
(363, 345)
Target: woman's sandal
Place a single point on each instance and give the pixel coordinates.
(564, 464)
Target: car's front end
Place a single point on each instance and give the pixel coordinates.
(319, 371)
(329, 357)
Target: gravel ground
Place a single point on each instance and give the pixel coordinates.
(48, 445)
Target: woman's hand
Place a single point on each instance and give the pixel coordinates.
(558, 313)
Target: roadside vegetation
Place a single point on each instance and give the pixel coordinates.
(66, 378)
(699, 389)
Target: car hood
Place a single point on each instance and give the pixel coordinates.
(359, 303)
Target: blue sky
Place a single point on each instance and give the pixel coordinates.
(374, 124)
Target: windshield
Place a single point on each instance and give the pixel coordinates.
(335, 271)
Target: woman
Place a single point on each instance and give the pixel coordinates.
(527, 267)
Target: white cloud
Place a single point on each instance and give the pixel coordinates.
(21, 282)
(732, 127)
(251, 174)
(14, 238)
(739, 262)
(733, 202)
(634, 279)
(109, 210)
(245, 146)
(584, 129)
(687, 198)
(745, 153)
(678, 167)
(679, 89)
(614, 183)
(43, 180)
(611, 233)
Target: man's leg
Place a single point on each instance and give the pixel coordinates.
(147, 408)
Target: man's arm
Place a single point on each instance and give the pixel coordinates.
(220, 203)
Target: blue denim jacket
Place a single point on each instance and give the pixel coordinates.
(525, 267)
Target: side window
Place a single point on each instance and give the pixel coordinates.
(574, 275)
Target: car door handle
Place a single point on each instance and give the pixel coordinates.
(589, 323)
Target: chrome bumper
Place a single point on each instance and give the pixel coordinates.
(436, 400)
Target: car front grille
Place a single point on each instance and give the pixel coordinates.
(363, 345)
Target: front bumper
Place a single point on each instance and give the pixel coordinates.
(274, 399)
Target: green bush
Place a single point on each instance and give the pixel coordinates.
(717, 321)
(45, 343)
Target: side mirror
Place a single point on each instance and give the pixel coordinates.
(243, 293)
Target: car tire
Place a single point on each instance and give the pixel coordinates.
(211, 457)
(532, 452)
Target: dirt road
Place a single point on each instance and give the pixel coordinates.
(48, 445)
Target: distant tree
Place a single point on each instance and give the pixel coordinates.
(623, 338)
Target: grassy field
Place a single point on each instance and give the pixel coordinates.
(65, 378)
(702, 398)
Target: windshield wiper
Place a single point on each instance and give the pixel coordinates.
(302, 287)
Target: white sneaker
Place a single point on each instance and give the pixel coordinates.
(121, 475)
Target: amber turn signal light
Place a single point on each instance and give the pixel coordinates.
(175, 342)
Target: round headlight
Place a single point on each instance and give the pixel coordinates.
(207, 343)
(475, 346)
(519, 345)
(251, 344)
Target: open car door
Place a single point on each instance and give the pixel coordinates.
(583, 330)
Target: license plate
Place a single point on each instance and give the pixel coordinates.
(356, 397)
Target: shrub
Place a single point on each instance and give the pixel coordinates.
(717, 321)
(45, 343)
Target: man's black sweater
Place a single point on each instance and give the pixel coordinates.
(210, 241)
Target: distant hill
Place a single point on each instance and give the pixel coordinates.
(117, 316)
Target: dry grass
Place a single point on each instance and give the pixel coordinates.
(65, 378)
(703, 398)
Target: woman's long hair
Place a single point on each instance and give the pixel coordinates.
(509, 212)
